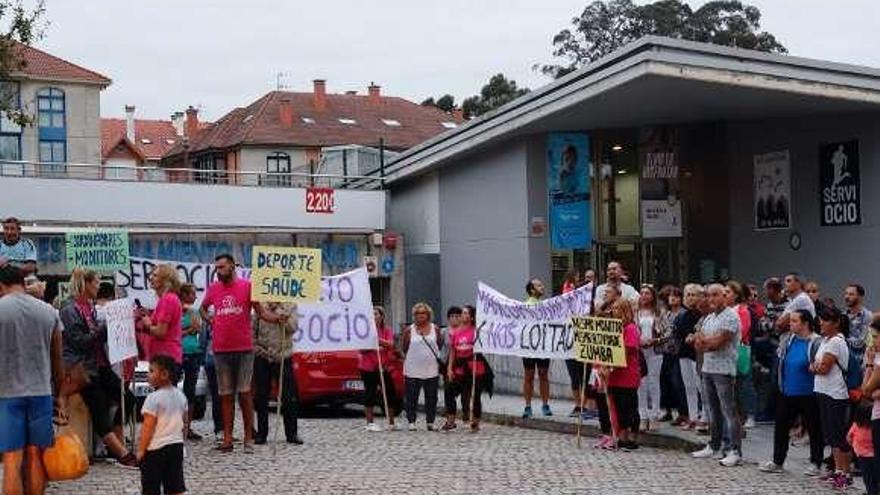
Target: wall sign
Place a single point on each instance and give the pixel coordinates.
(661, 218)
(840, 195)
(772, 188)
(568, 184)
(319, 200)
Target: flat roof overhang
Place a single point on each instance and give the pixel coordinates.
(659, 81)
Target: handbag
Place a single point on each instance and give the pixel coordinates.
(66, 459)
(441, 363)
(744, 359)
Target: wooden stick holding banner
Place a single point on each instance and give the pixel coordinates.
(474, 390)
(599, 341)
(388, 414)
(581, 405)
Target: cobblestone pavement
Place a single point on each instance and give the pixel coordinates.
(340, 457)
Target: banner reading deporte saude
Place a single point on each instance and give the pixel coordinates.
(542, 330)
(599, 341)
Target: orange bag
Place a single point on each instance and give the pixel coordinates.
(67, 458)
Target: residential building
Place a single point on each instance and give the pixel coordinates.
(130, 142)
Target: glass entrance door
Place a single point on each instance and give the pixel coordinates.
(661, 262)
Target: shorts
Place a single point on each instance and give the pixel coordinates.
(532, 363)
(234, 370)
(162, 469)
(834, 415)
(576, 373)
(26, 421)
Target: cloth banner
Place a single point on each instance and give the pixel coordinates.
(342, 321)
(542, 330)
(135, 278)
(121, 340)
(599, 341)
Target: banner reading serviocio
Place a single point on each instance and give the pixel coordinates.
(135, 278)
(342, 321)
(542, 330)
(599, 341)
(286, 274)
(104, 251)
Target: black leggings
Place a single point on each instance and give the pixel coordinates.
(414, 387)
(100, 395)
(371, 391)
(462, 386)
(788, 408)
(626, 403)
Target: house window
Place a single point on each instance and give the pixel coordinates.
(277, 163)
(51, 120)
(10, 131)
(209, 169)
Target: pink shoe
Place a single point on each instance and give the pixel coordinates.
(603, 442)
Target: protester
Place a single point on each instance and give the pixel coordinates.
(672, 394)
(232, 343)
(859, 320)
(535, 291)
(589, 277)
(193, 353)
(164, 326)
(576, 371)
(464, 371)
(30, 374)
(571, 282)
(831, 392)
(860, 440)
(17, 250)
(765, 342)
(682, 328)
(614, 277)
(211, 375)
(796, 397)
(870, 389)
(160, 451)
(736, 297)
(797, 299)
(453, 323)
(273, 347)
(622, 385)
(718, 341)
(84, 348)
(811, 287)
(421, 367)
(368, 364)
(651, 324)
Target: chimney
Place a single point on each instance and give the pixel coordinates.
(191, 127)
(129, 122)
(375, 93)
(177, 123)
(320, 86)
(285, 112)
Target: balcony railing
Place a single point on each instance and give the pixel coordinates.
(110, 172)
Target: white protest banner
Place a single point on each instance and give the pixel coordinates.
(121, 341)
(542, 330)
(342, 321)
(136, 279)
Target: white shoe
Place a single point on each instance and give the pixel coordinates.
(750, 423)
(706, 453)
(770, 467)
(394, 427)
(413, 427)
(732, 459)
(812, 471)
(373, 427)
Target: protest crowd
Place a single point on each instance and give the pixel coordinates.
(715, 359)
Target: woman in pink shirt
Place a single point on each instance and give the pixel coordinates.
(369, 367)
(164, 326)
(623, 383)
(462, 370)
(737, 297)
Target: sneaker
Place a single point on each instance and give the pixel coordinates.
(296, 440)
(750, 423)
(706, 453)
(448, 426)
(604, 440)
(413, 427)
(575, 412)
(373, 427)
(431, 427)
(193, 436)
(842, 481)
(248, 448)
(770, 467)
(589, 414)
(128, 461)
(719, 455)
(812, 471)
(628, 446)
(394, 427)
(261, 440)
(527, 412)
(545, 410)
(732, 459)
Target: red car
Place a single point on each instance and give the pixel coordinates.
(333, 377)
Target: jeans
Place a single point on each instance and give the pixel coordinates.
(216, 413)
(264, 372)
(671, 388)
(649, 391)
(414, 387)
(721, 401)
(191, 365)
(692, 388)
(745, 395)
(788, 408)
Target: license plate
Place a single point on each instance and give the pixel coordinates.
(141, 390)
(353, 385)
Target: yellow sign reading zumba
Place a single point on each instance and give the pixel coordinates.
(285, 274)
(599, 341)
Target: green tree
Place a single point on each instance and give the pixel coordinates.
(605, 26)
(23, 26)
(497, 92)
(445, 102)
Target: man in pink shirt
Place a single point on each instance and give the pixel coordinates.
(233, 345)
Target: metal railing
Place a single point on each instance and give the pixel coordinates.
(125, 173)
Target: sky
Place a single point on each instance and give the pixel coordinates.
(164, 55)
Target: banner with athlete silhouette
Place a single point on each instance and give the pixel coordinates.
(840, 184)
(772, 191)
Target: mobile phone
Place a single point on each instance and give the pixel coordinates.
(138, 305)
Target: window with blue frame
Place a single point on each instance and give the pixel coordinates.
(10, 130)
(52, 107)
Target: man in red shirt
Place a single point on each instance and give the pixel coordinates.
(233, 345)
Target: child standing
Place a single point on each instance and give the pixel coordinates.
(859, 437)
(160, 451)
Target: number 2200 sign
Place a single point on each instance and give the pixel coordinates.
(319, 200)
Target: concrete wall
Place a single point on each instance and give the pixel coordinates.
(833, 256)
(83, 107)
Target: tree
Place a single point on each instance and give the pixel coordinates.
(605, 26)
(497, 92)
(22, 27)
(445, 103)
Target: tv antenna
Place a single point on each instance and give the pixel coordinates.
(281, 81)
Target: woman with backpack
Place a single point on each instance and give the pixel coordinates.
(832, 392)
(797, 351)
(421, 369)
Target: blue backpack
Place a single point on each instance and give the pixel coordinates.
(853, 375)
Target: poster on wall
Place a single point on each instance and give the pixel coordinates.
(840, 185)
(568, 182)
(661, 218)
(772, 188)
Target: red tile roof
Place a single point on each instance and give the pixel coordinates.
(160, 135)
(260, 123)
(41, 65)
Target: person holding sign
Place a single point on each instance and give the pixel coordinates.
(164, 325)
(273, 343)
(233, 345)
(84, 348)
(368, 364)
(464, 371)
(421, 368)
